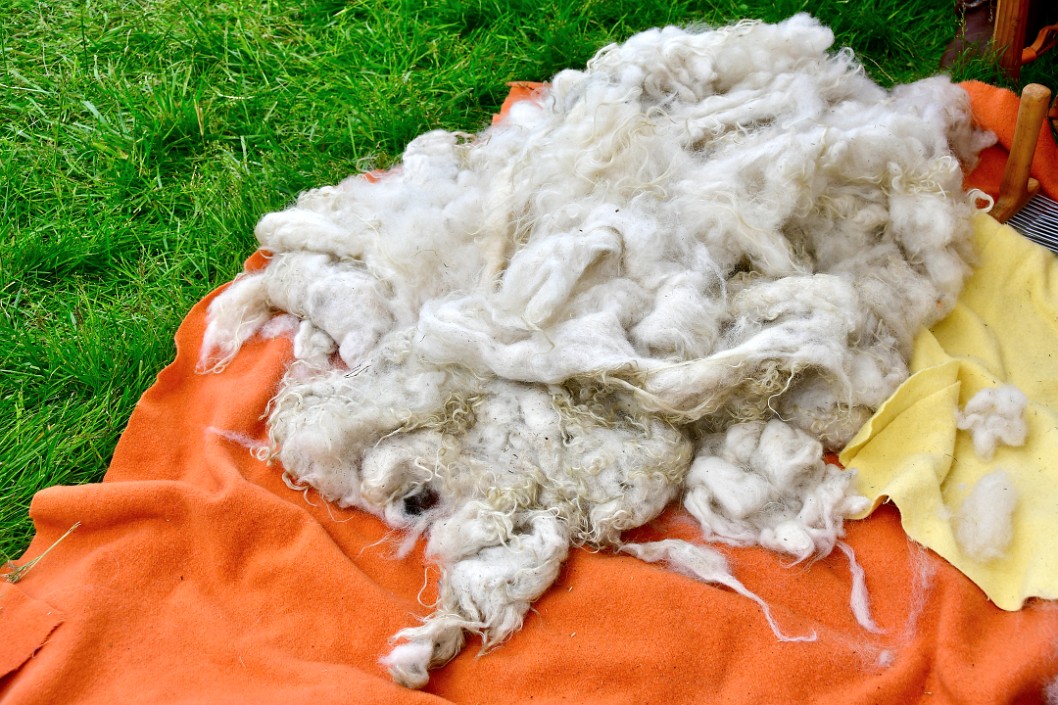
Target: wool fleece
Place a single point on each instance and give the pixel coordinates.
(682, 272)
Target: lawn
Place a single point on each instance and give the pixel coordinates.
(140, 140)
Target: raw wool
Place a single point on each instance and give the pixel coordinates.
(984, 523)
(994, 415)
(1050, 692)
(256, 448)
(923, 572)
(707, 565)
(859, 600)
(685, 269)
(765, 483)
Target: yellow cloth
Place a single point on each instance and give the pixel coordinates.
(1004, 330)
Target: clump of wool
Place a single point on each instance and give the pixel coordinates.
(984, 523)
(994, 416)
(680, 272)
(766, 484)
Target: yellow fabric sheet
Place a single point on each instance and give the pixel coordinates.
(1004, 330)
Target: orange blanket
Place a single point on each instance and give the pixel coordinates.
(198, 576)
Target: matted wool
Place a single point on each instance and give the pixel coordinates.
(679, 273)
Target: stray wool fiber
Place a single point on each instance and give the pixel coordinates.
(679, 273)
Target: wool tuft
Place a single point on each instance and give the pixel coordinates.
(680, 273)
(995, 415)
(859, 600)
(1050, 692)
(707, 565)
(984, 523)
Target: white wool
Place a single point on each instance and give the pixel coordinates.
(234, 318)
(766, 484)
(984, 523)
(409, 662)
(994, 415)
(313, 347)
(923, 565)
(859, 600)
(248, 442)
(1050, 692)
(686, 269)
(283, 325)
(707, 565)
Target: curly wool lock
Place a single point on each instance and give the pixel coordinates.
(681, 271)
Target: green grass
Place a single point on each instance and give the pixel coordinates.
(140, 140)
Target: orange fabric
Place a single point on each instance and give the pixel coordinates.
(26, 622)
(520, 90)
(198, 576)
(997, 110)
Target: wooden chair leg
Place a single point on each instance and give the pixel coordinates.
(1017, 187)
(1012, 22)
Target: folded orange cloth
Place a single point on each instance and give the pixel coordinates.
(198, 576)
(997, 110)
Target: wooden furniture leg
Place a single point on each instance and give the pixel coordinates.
(1017, 187)
(1012, 21)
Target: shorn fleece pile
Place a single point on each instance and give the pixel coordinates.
(681, 272)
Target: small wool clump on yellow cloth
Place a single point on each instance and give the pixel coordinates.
(1003, 331)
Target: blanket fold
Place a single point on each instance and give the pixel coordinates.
(997, 109)
(1002, 331)
(27, 622)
